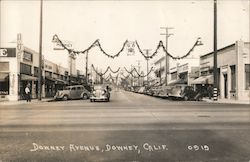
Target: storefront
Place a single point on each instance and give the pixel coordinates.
(233, 64)
(8, 74)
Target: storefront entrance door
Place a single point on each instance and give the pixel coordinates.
(225, 85)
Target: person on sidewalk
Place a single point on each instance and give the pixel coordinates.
(27, 93)
(210, 91)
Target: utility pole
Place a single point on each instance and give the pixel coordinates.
(215, 95)
(167, 34)
(147, 52)
(40, 53)
(86, 73)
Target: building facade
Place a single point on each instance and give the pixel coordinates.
(233, 70)
(19, 66)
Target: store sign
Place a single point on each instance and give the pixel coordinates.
(4, 92)
(58, 46)
(7, 52)
(27, 56)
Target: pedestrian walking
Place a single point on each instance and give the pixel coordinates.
(27, 93)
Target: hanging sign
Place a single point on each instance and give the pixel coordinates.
(58, 46)
(131, 48)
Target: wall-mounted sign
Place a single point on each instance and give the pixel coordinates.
(27, 56)
(7, 52)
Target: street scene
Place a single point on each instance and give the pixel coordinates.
(124, 81)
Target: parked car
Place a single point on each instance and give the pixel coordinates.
(184, 92)
(164, 91)
(141, 90)
(100, 92)
(156, 91)
(72, 92)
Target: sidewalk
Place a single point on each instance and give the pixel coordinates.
(227, 101)
(25, 102)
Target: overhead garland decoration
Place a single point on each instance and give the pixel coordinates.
(112, 56)
(107, 69)
(97, 43)
(114, 71)
(129, 71)
(160, 45)
(100, 74)
(143, 76)
(139, 75)
(125, 77)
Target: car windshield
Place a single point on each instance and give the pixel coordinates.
(98, 87)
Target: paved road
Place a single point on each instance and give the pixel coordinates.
(132, 127)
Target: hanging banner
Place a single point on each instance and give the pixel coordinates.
(131, 48)
(58, 46)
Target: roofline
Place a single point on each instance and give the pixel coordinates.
(221, 49)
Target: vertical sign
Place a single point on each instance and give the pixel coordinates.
(19, 46)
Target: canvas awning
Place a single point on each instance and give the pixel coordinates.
(3, 76)
(179, 81)
(50, 79)
(59, 81)
(28, 77)
(204, 80)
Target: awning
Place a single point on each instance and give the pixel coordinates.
(179, 81)
(28, 77)
(50, 79)
(204, 80)
(4, 76)
(59, 81)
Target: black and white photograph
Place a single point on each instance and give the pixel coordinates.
(124, 81)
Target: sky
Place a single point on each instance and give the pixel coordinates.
(114, 22)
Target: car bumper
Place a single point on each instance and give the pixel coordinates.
(98, 98)
(58, 97)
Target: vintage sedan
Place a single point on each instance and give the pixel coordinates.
(100, 93)
(72, 92)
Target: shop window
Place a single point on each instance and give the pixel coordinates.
(247, 76)
(25, 69)
(233, 78)
(4, 83)
(36, 71)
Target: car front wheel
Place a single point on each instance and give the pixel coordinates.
(84, 96)
(65, 98)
